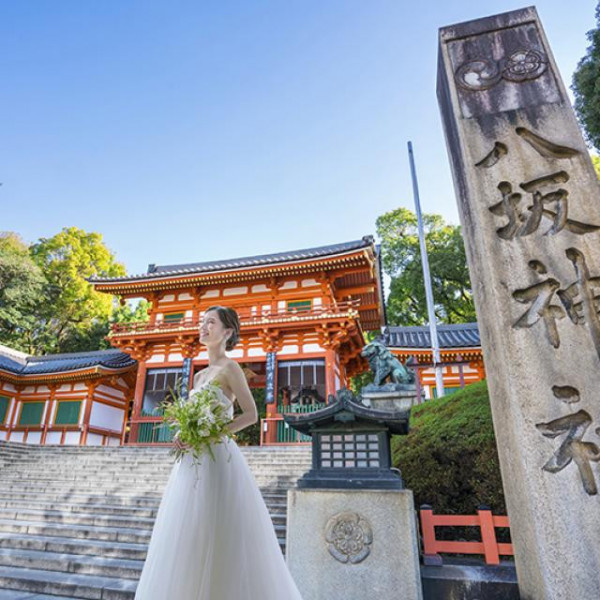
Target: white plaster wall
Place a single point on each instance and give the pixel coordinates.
(107, 417)
(259, 288)
(167, 298)
(80, 386)
(235, 353)
(72, 438)
(111, 391)
(210, 294)
(93, 439)
(34, 437)
(53, 437)
(3, 435)
(45, 388)
(175, 357)
(311, 348)
(256, 352)
(156, 358)
(185, 296)
(235, 290)
(113, 441)
(289, 285)
(309, 282)
(289, 349)
(17, 436)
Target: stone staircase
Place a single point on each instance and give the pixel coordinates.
(75, 522)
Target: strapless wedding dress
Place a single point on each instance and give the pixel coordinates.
(213, 537)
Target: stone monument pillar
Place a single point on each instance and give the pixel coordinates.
(529, 202)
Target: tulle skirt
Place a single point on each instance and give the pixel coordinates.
(213, 537)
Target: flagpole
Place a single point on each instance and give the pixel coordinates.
(435, 347)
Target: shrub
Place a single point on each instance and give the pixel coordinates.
(449, 458)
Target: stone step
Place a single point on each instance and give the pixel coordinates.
(102, 520)
(73, 585)
(133, 535)
(91, 532)
(133, 475)
(68, 545)
(22, 595)
(147, 500)
(75, 508)
(71, 563)
(276, 505)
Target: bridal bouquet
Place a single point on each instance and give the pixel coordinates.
(198, 421)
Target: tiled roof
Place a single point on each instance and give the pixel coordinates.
(157, 271)
(462, 335)
(56, 363)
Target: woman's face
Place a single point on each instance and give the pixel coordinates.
(212, 330)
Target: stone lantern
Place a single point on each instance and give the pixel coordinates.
(351, 530)
(351, 444)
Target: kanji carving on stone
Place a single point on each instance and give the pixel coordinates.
(539, 296)
(549, 204)
(582, 298)
(572, 448)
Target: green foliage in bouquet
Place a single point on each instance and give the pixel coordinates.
(198, 421)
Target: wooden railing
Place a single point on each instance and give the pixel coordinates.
(489, 547)
(249, 316)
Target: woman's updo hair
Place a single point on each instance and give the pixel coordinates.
(230, 319)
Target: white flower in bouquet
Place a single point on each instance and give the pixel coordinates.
(198, 421)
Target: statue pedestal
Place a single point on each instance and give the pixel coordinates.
(390, 396)
(353, 544)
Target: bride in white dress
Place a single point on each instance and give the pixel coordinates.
(213, 538)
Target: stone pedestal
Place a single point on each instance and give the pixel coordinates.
(529, 203)
(390, 396)
(353, 544)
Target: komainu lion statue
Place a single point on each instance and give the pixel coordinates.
(384, 364)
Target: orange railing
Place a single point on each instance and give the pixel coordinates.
(489, 547)
(249, 316)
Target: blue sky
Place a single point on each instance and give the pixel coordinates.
(196, 130)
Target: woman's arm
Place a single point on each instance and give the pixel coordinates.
(233, 377)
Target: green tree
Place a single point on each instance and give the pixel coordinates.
(73, 313)
(94, 337)
(586, 86)
(22, 285)
(401, 260)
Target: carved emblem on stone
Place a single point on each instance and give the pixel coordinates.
(349, 536)
(482, 73)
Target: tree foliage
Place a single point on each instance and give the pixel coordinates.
(586, 86)
(46, 303)
(449, 458)
(401, 260)
(22, 285)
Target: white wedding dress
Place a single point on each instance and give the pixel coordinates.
(213, 537)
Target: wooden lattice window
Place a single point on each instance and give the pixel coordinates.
(173, 317)
(299, 305)
(68, 412)
(31, 413)
(160, 385)
(4, 402)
